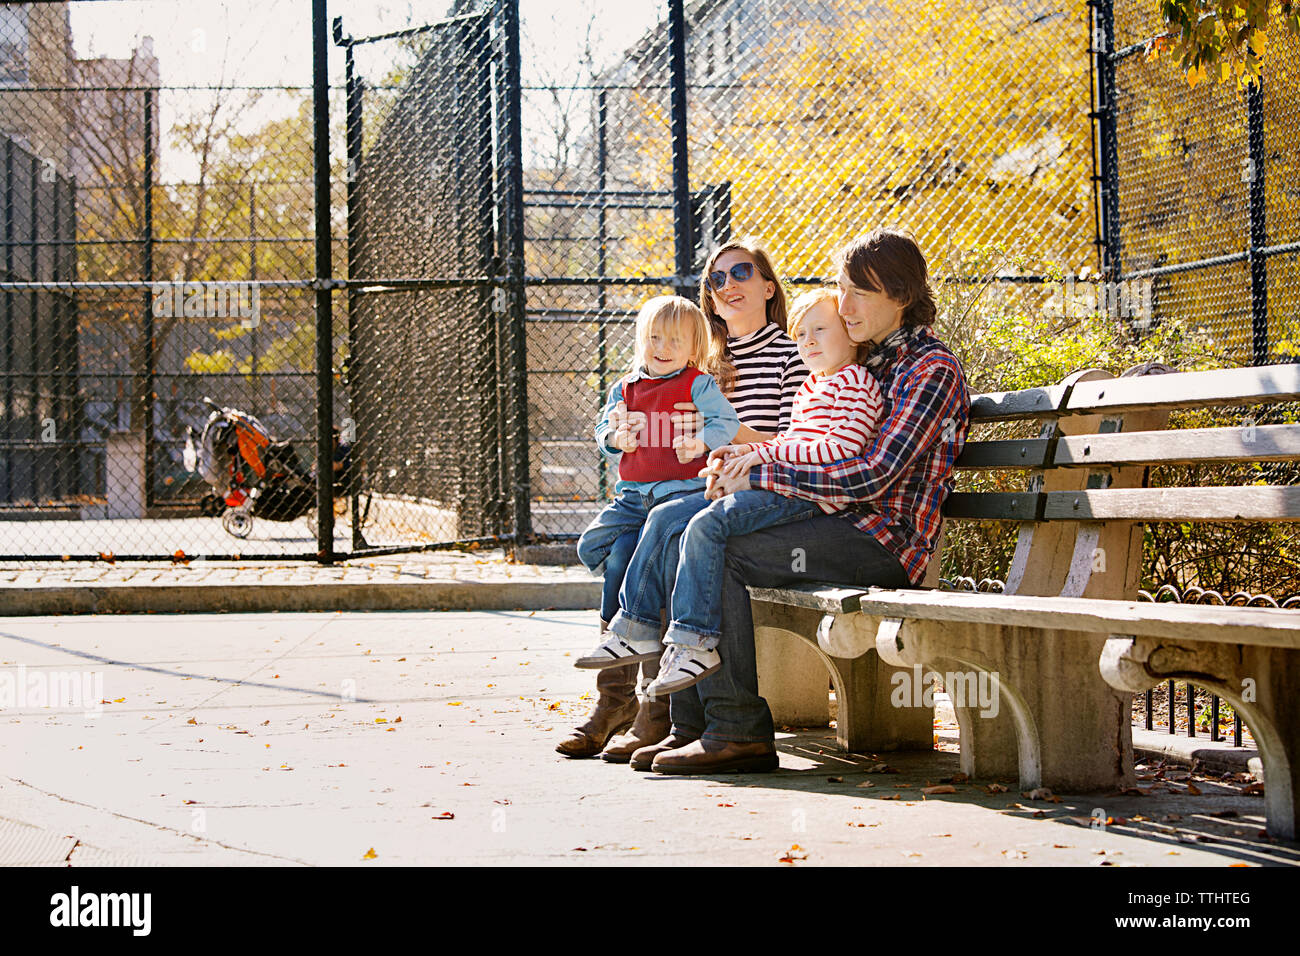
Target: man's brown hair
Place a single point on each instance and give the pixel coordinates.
(889, 261)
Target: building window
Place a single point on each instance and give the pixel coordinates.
(13, 45)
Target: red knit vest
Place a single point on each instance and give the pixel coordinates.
(654, 458)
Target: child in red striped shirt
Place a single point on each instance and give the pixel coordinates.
(836, 414)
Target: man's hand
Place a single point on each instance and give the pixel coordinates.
(688, 449)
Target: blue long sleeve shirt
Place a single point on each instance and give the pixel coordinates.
(721, 423)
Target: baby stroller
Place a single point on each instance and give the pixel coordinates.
(251, 474)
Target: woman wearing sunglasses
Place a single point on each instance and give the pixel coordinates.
(761, 376)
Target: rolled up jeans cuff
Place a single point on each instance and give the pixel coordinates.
(633, 628)
(677, 634)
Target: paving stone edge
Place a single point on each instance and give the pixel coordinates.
(324, 596)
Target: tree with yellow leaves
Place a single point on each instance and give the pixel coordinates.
(1223, 39)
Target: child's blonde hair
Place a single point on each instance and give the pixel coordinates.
(671, 314)
(805, 302)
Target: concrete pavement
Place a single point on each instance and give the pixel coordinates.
(384, 738)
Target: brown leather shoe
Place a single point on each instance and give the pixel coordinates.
(616, 708)
(643, 758)
(718, 756)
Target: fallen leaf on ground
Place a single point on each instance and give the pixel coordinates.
(793, 854)
(941, 788)
(445, 815)
(370, 854)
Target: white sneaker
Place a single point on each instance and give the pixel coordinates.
(683, 667)
(614, 651)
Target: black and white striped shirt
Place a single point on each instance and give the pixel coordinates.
(769, 373)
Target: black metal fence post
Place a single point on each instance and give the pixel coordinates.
(150, 350)
(1103, 45)
(9, 320)
(352, 135)
(602, 251)
(513, 248)
(1258, 226)
(324, 268)
(681, 170)
(254, 344)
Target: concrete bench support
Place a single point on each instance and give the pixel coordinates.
(1052, 722)
(1261, 683)
(867, 721)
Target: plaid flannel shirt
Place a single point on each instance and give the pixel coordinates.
(896, 490)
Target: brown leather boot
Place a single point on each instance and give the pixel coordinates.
(616, 708)
(652, 723)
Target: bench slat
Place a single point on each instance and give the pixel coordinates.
(1238, 386)
(829, 600)
(1186, 446)
(1026, 403)
(1270, 627)
(1227, 503)
(989, 455)
(994, 506)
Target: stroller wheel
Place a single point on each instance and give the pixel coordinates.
(238, 522)
(211, 505)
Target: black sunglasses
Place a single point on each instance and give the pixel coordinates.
(740, 272)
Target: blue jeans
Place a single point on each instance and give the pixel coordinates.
(696, 611)
(653, 568)
(726, 705)
(608, 544)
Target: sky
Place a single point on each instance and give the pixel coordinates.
(268, 42)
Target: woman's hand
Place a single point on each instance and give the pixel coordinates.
(720, 455)
(720, 485)
(625, 439)
(626, 427)
(738, 465)
(688, 449)
(686, 420)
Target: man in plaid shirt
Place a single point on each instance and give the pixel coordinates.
(891, 497)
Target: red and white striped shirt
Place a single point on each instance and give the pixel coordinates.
(835, 417)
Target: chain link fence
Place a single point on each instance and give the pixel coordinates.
(158, 245)
(507, 183)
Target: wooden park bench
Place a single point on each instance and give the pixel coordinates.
(1067, 641)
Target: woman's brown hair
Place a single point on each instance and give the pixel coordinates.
(776, 306)
(890, 261)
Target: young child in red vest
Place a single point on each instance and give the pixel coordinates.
(675, 351)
